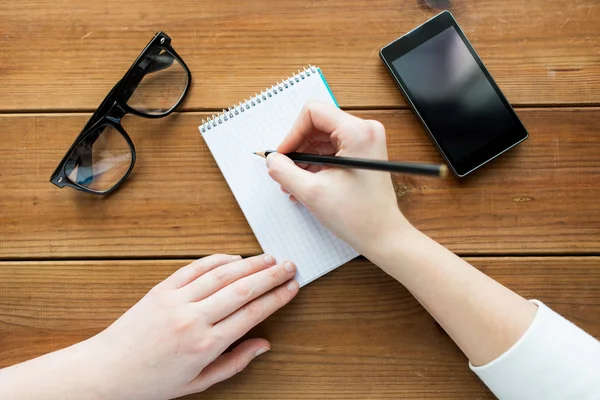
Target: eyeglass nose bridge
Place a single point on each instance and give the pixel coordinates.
(116, 113)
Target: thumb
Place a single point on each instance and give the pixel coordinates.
(228, 364)
(293, 178)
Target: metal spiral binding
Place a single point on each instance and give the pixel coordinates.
(257, 99)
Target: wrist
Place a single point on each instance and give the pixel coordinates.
(88, 371)
(106, 376)
(67, 373)
(91, 372)
(393, 234)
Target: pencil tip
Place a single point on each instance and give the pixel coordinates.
(260, 154)
(443, 171)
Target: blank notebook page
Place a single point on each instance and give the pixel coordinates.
(284, 229)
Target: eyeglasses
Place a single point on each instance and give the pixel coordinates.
(103, 155)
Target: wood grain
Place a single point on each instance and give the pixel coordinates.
(539, 198)
(353, 334)
(68, 55)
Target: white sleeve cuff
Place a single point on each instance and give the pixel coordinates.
(554, 359)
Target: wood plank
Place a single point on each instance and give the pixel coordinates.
(393, 350)
(67, 56)
(540, 197)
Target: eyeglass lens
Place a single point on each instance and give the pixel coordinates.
(101, 161)
(163, 84)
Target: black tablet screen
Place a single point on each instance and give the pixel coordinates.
(453, 96)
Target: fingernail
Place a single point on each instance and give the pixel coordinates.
(269, 259)
(289, 267)
(292, 286)
(260, 351)
(270, 159)
(235, 258)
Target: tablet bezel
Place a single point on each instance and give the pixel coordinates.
(420, 35)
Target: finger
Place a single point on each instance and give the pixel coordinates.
(283, 171)
(314, 116)
(313, 139)
(361, 138)
(323, 148)
(231, 298)
(239, 323)
(190, 272)
(220, 277)
(293, 199)
(229, 364)
(302, 148)
(284, 190)
(314, 168)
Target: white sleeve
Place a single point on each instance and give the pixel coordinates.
(554, 359)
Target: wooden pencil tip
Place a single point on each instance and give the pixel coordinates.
(260, 154)
(443, 171)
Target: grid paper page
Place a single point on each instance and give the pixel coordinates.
(284, 229)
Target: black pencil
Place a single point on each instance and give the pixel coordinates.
(439, 170)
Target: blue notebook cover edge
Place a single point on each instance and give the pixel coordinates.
(328, 88)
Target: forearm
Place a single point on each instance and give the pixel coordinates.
(70, 373)
(483, 317)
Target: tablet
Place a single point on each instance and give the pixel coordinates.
(453, 94)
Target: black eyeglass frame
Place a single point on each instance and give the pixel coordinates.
(114, 107)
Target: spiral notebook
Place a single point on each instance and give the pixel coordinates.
(284, 229)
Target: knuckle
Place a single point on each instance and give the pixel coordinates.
(349, 132)
(253, 312)
(204, 313)
(347, 125)
(208, 260)
(158, 297)
(213, 257)
(203, 346)
(218, 336)
(182, 324)
(196, 267)
(281, 297)
(374, 130)
(238, 365)
(274, 275)
(255, 263)
(377, 127)
(221, 276)
(337, 138)
(242, 290)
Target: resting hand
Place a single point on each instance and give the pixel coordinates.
(171, 343)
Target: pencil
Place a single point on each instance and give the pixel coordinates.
(439, 170)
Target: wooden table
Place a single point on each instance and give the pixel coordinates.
(71, 263)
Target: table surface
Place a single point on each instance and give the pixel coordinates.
(71, 263)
